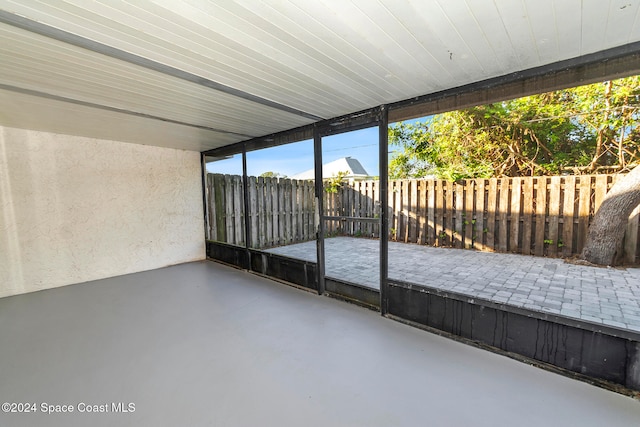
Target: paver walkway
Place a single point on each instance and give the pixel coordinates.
(609, 296)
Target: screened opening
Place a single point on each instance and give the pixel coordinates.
(225, 200)
(282, 209)
(494, 202)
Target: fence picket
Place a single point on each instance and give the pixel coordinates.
(492, 200)
(413, 211)
(229, 220)
(600, 191)
(540, 215)
(554, 213)
(458, 195)
(568, 209)
(431, 213)
(478, 228)
(527, 214)
(421, 216)
(272, 211)
(253, 214)
(439, 211)
(584, 208)
(449, 210)
(238, 210)
(469, 220)
(503, 212)
(515, 208)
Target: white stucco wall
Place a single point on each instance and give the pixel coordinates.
(74, 209)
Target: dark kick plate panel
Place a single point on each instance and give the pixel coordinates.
(229, 254)
(593, 353)
(355, 293)
(298, 272)
(301, 273)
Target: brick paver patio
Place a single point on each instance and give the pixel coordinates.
(609, 296)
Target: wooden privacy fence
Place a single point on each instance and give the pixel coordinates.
(544, 216)
(533, 215)
(281, 211)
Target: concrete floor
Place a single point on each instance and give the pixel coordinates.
(202, 344)
(608, 296)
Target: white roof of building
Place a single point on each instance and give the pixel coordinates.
(351, 166)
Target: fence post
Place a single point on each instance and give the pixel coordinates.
(554, 214)
(516, 197)
(431, 212)
(503, 212)
(584, 208)
(253, 240)
(527, 214)
(541, 217)
(478, 227)
(469, 217)
(458, 225)
(238, 211)
(568, 211)
(439, 213)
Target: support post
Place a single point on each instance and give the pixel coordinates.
(205, 199)
(245, 196)
(383, 142)
(319, 191)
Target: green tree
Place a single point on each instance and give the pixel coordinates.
(270, 174)
(334, 183)
(587, 129)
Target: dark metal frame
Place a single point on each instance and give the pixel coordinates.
(384, 210)
(616, 62)
(245, 201)
(205, 204)
(612, 63)
(501, 328)
(371, 118)
(317, 158)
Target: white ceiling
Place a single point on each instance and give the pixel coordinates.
(246, 68)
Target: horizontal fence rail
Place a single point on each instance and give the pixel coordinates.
(542, 216)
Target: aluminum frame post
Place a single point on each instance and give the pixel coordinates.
(319, 192)
(383, 141)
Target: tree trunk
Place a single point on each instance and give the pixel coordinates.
(604, 241)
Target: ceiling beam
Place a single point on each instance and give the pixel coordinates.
(113, 109)
(103, 49)
(622, 61)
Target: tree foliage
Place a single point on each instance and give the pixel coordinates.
(587, 129)
(334, 183)
(270, 174)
